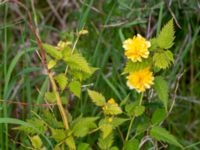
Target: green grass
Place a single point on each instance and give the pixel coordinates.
(109, 23)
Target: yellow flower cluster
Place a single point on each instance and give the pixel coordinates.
(136, 49)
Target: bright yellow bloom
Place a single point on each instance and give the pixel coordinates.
(136, 48)
(140, 80)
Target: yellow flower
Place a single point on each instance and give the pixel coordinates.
(140, 80)
(136, 48)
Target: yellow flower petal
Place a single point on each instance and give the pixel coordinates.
(136, 48)
(140, 80)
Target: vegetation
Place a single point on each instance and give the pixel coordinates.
(107, 75)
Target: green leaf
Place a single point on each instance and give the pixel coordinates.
(52, 51)
(82, 126)
(123, 102)
(158, 116)
(130, 108)
(105, 143)
(77, 62)
(50, 119)
(36, 141)
(162, 134)
(116, 121)
(135, 66)
(75, 87)
(106, 129)
(84, 146)
(97, 98)
(163, 59)
(166, 37)
(114, 148)
(50, 97)
(51, 64)
(112, 109)
(58, 134)
(161, 88)
(139, 110)
(70, 143)
(154, 44)
(62, 80)
(36, 123)
(132, 144)
(80, 75)
(142, 127)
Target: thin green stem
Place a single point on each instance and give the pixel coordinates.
(132, 119)
(129, 128)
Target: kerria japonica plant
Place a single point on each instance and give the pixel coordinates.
(146, 60)
(132, 124)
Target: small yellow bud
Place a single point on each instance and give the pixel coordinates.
(111, 101)
(110, 119)
(62, 44)
(83, 32)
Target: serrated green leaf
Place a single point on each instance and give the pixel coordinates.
(132, 144)
(166, 37)
(82, 126)
(97, 98)
(158, 116)
(135, 66)
(106, 129)
(51, 64)
(162, 134)
(50, 97)
(154, 44)
(75, 87)
(118, 121)
(37, 123)
(62, 80)
(139, 110)
(52, 51)
(50, 119)
(70, 143)
(161, 88)
(36, 141)
(163, 59)
(77, 62)
(105, 143)
(80, 75)
(130, 108)
(58, 134)
(112, 109)
(84, 146)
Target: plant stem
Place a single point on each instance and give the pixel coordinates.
(59, 102)
(129, 128)
(132, 119)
